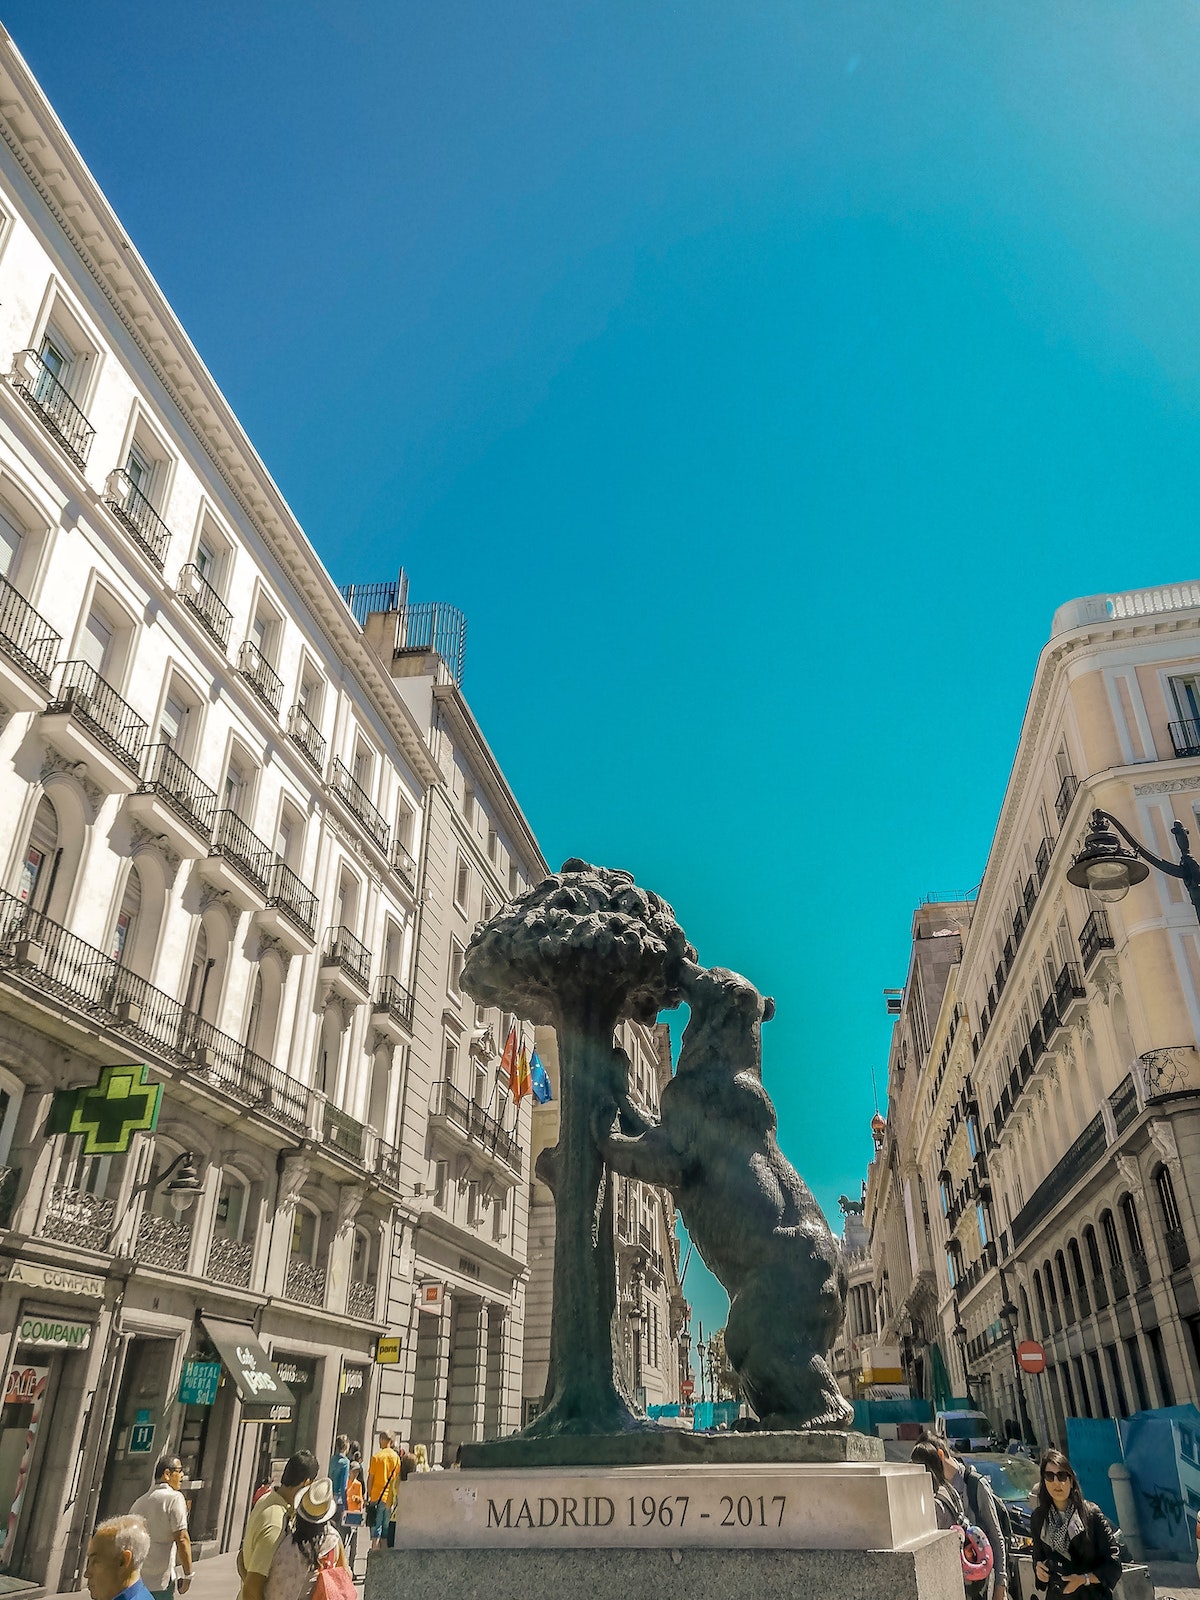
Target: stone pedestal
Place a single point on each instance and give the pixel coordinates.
(854, 1530)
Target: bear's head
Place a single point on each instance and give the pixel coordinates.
(726, 1014)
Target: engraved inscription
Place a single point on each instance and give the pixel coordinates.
(639, 1511)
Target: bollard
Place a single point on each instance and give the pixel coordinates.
(1122, 1488)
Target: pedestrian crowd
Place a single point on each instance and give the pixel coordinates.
(301, 1536)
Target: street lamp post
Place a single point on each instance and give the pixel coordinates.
(1008, 1315)
(1110, 871)
(961, 1338)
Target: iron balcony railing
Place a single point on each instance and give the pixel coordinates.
(25, 635)
(404, 864)
(344, 1133)
(1099, 1292)
(230, 1261)
(295, 899)
(347, 787)
(470, 1117)
(10, 1181)
(1042, 861)
(85, 695)
(393, 997)
(1050, 1019)
(168, 775)
(433, 626)
(1067, 791)
(1068, 986)
(1140, 1268)
(1123, 1103)
(360, 1301)
(52, 405)
(1120, 1282)
(96, 986)
(1095, 935)
(162, 1243)
(200, 597)
(242, 848)
(260, 675)
(343, 950)
(1185, 737)
(305, 1283)
(1079, 1160)
(73, 1216)
(1177, 1249)
(387, 1164)
(1029, 896)
(131, 507)
(308, 738)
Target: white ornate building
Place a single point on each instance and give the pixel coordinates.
(246, 825)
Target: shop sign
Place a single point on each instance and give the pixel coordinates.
(264, 1394)
(352, 1380)
(63, 1280)
(387, 1351)
(430, 1296)
(109, 1112)
(199, 1382)
(45, 1331)
(293, 1374)
(25, 1386)
(141, 1435)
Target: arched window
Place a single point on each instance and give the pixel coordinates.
(377, 1107)
(196, 990)
(1065, 1284)
(1076, 1263)
(38, 869)
(231, 1221)
(1093, 1250)
(1172, 1221)
(124, 938)
(1041, 1302)
(1112, 1242)
(1133, 1230)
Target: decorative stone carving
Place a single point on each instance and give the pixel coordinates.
(1130, 1173)
(210, 896)
(56, 764)
(141, 840)
(350, 1199)
(1169, 786)
(292, 1178)
(329, 1000)
(1162, 1137)
(380, 1041)
(268, 944)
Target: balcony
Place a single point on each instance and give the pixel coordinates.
(343, 1134)
(1037, 1044)
(1067, 791)
(474, 1129)
(1123, 1103)
(290, 914)
(1051, 1021)
(1099, 1292)
(102, 993)
(305, 1283)
(1177, 1249)
(171, 800)
(1029, 896)
(163, 1243)
(139, 518)
(238, 863)
(10, 1181)
(1185, 738)
(387, 1164)
(77, 1218)
(360, 1302)
(203, 600)
(1079, 1160)
(392, 1012)
(1170, 1070)
(52, 405)
(1094, 936)
(1042, 861)
(28, 650)
(1068, 990)
(1140, 1269)
(1119, 1281)
(403, 864)
(88, 721)
(347, 788)
(346, 965)
(260, 675)
(230, 1261)
(307, 737)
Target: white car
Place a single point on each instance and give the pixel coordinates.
(963, 1430)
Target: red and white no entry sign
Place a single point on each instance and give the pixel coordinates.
(1031, 1356)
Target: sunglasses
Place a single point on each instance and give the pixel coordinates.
(1056, 1477)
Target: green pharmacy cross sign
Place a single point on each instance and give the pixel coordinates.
(110, 1112)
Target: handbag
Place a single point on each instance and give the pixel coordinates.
(333, 1582)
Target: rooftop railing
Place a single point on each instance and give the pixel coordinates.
(131, 507)
(260, 675)
(85, 695)
(52, 405)
(306, 736)
(167, 774)
(200, 597)
(347, 787)
(25, 635)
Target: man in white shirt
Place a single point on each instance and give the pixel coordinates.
(164, 1511)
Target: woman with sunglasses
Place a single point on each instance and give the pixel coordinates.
(1074, 1548)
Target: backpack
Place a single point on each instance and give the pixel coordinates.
(973, 1478)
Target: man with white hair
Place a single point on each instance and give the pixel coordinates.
(114, 1560)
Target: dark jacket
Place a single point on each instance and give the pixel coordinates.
(1093, 1550)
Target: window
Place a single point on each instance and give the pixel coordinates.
(211, 559)
(454, 978)
(10, 547)
(1132, 1229)
(310, 695)
(981, 1223)
(1186, 692)
(951, 1268)
(37, 869)
(236, 791)
(1093, 1250)
(405, 817)
(488, 909)
(500, 1217)
(514, 879)
(231, 1208)
(97, 641)
(944, 1193)
(1112, 1243)
(473, 1204)
(363, 766)
(493, 845)
(305, 1229)
(1167, 1202)
(449, 1057)
(289, 838)
(462, 883)
(469, 805)
(973, 1139)
(125, 928)
(264, 632)
(172, 722)
(391, 950)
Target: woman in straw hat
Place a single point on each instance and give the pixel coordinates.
(310, 1546)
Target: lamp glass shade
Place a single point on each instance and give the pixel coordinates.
(1109, 873)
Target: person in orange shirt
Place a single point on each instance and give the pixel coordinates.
(383, 1476)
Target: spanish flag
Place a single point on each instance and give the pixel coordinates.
(508, 1064)
(524, 1078)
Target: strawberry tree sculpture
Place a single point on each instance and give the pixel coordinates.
(582, 950)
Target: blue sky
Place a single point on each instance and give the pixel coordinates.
(757, 376)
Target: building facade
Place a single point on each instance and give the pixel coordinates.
(654, 1319)
(1057, 1123)
(246, 824)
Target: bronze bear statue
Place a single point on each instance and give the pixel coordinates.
(747, 1210)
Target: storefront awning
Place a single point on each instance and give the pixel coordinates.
(264, 1395)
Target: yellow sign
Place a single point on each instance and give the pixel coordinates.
(387, 1352)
